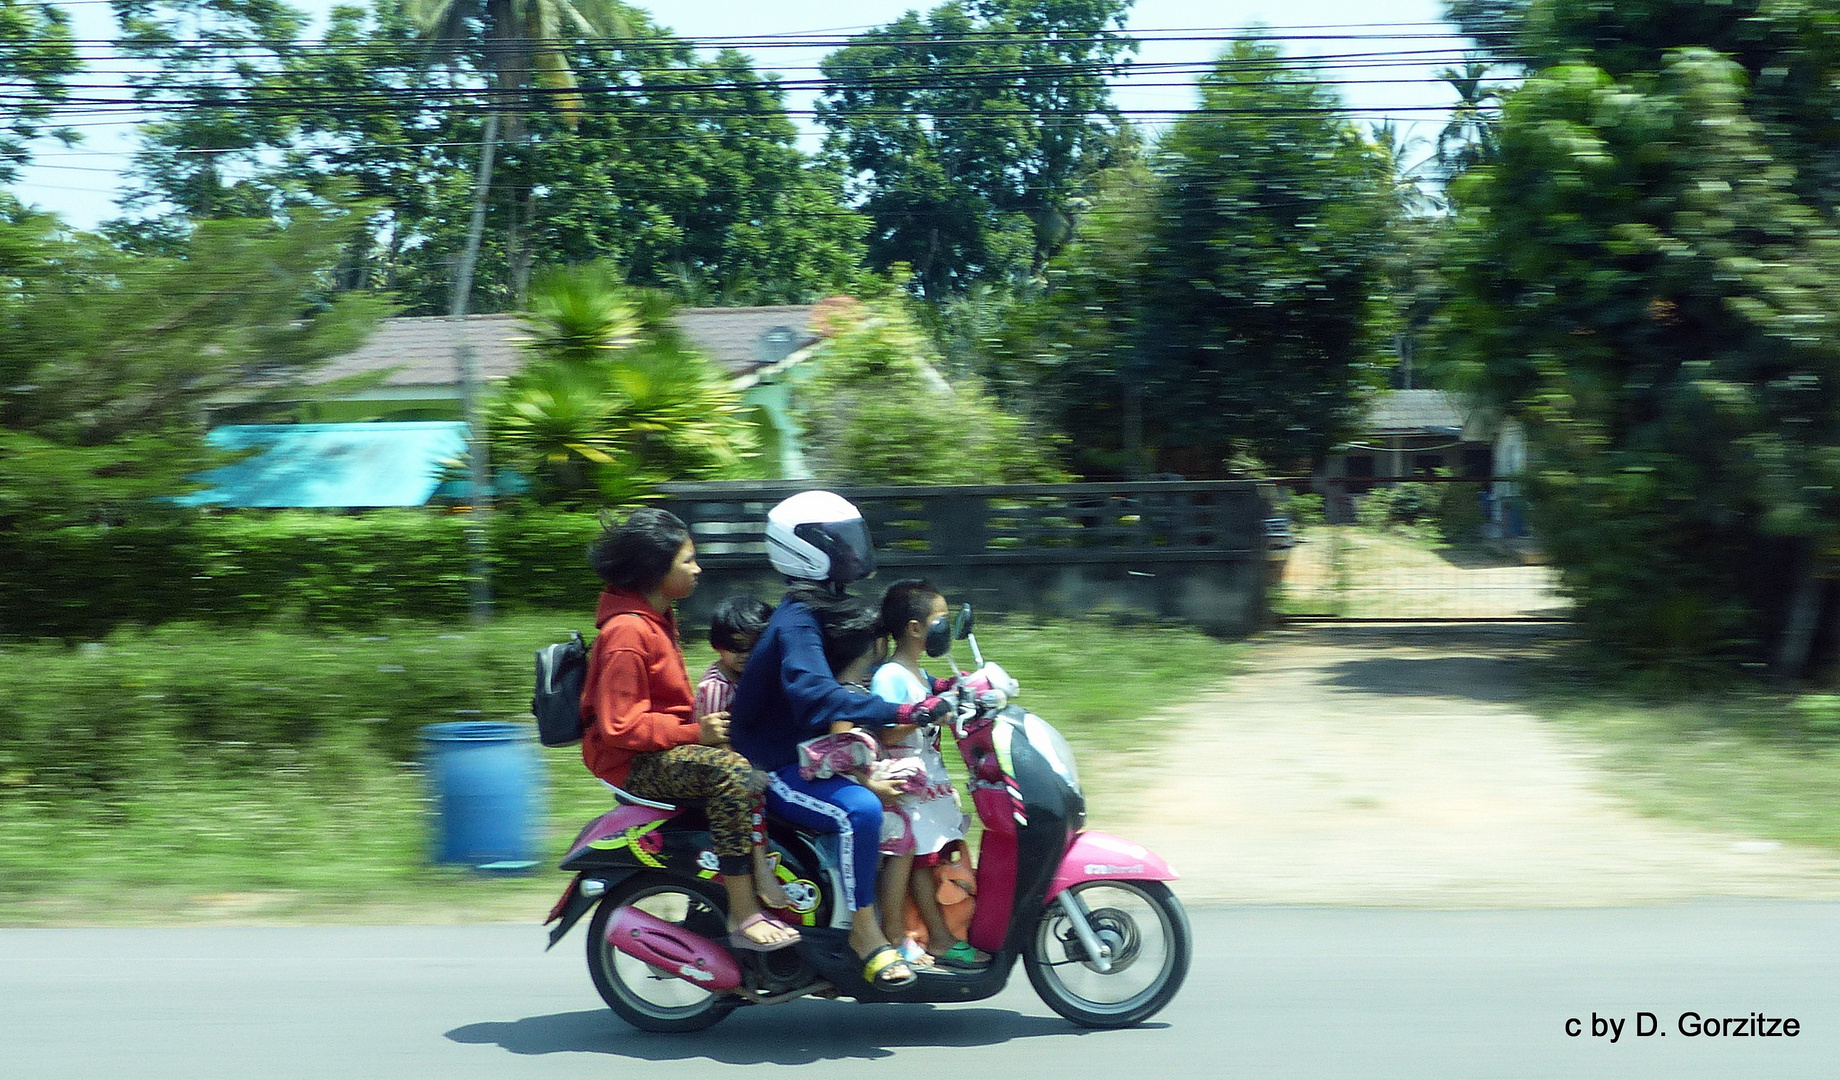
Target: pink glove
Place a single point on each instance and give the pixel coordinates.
(933, 710)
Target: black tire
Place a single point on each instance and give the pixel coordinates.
(1147, 973)
(643, 996)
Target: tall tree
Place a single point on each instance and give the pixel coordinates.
(522, 43)
(1665, 224)
(969, 131)
(684, 170)
(1642, 279)
(1468, 135)
(36, 56)
(212, 150)
(879, 410)
(107, 358)
(1222, 298)
(1789, 51)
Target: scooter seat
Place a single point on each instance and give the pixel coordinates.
(621, 795)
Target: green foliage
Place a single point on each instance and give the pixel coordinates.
(878, 411)
(1819, 716)
(615, 403)
(107, 359)
(218, 109)
(734, 213)
(1788, 50)
(81, 581)
(1223, 299)
(195, 759)
(1441, 513)
(1305, 509)
(973, 128)
(1641, 279)
(36, 56)
(523, 40)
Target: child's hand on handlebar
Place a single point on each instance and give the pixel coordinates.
(933, 710)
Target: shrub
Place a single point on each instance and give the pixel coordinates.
(299, 567)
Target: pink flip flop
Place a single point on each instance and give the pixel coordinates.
(738, 939)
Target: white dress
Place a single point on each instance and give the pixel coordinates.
(934, 814)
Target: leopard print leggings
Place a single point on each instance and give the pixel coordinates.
(716, 774)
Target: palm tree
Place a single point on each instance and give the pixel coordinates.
(523, 43)
(614, 402)
(1468, 137)
(1392, 149)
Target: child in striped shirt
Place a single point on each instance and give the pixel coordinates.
(733, 630)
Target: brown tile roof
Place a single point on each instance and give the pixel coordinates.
(421, 348)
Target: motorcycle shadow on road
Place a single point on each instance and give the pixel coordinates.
(797, 1033)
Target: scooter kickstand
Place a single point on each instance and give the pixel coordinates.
(1100, 956)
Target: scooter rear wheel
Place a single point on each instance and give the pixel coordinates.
(642, 995)
(1145, 929)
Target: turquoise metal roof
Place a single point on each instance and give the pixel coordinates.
(333, 465)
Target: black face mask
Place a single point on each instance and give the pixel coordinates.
(939, 636)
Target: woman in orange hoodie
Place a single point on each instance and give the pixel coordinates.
(641, 732)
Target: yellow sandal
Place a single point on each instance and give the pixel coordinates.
(878, 963)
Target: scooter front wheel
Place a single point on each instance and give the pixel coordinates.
(1144, 931)
(642, 995)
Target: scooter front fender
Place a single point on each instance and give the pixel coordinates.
(1097, 856)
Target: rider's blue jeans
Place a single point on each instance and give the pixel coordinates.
(835, 805)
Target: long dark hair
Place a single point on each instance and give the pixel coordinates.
(637, 553)
(848, 631)
(820, 596)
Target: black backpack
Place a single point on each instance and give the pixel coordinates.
(562, 670)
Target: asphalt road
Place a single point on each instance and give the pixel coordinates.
(1286, 993)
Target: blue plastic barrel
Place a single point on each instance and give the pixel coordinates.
(486, 780)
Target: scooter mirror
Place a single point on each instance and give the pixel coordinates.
(938, 637)
(962, 623)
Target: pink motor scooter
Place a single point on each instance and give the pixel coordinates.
(1105, 943)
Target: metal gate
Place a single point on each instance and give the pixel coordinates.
(1421, 548)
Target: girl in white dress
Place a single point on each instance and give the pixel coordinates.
(934, 819)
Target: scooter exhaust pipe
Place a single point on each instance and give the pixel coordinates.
(672, 949)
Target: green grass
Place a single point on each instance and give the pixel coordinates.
(191, 772)
(1738, 759)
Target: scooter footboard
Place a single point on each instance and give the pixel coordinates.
(1097, 856)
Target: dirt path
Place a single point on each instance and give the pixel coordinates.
(1352, 765)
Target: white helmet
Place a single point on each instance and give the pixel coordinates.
(819, 536)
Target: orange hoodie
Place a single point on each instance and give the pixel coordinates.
(637, 698)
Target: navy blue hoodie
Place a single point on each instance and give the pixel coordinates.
(787, 693)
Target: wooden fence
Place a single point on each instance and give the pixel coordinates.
(1193, 551)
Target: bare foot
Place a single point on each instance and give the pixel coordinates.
(771, 895)
(762, 929)
(766, 886)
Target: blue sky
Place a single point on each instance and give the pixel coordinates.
(81, 182)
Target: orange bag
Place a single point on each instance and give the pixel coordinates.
(957, 892)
